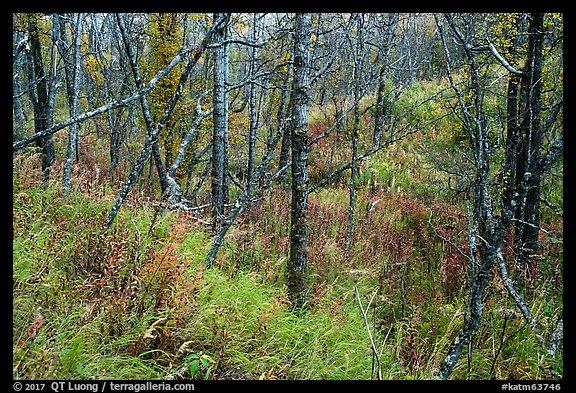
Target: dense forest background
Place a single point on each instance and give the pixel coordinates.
(287, 196)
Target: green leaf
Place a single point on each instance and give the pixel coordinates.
(194, 368)
(192, 356)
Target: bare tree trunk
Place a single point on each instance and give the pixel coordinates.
(73, 82)
(174, 191)
(252, 103)
(379, 110)
(358, 69)
(512, 134)
(17, 104)
(531, 137)
(296, 272)
(481, 223)
(284, 109)
(41, 98)
(383, 52)
(220, 114)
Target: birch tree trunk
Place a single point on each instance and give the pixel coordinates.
(296, 272)
(531, 137)
(252, 104)
(220, 115)
(17, 91)
(482, 235)
(285, 147)
(358, 63)
(73, 82)
(143, 103)
(387, 34)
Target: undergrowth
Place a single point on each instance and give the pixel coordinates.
(137, 302)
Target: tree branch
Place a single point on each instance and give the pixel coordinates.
(551, 346)
(504, 62)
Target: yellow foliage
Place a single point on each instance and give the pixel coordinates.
(92, 67)
(165, 31)
(238, 127)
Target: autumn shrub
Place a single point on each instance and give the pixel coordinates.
(167, 273)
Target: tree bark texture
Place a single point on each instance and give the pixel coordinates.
(252, 104)
(220, 116)
(296, 272)
(482, 238)
(285, 148)
(18, 104)
(531, 137)
(383, 56)
(73, 83)
(358, 70)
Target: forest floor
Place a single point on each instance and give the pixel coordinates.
(137, 302)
